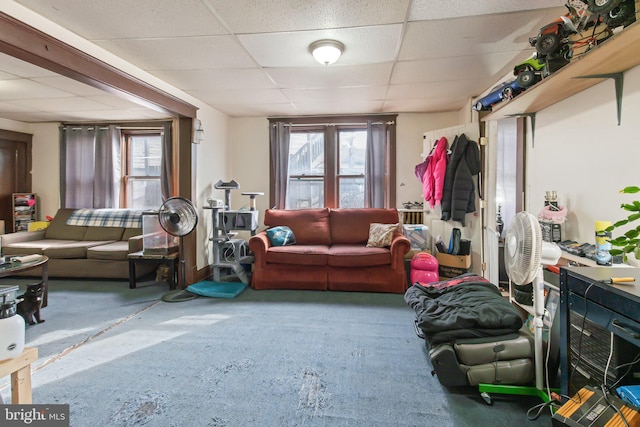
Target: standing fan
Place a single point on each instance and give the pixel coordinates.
(178, 217)
(524, 255)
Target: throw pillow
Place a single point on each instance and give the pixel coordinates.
(281, 236)
(380, 235)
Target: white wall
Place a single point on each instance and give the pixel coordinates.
(12, 125)
(211, 163)
(46, 166)
(409, 139)
(583, 154)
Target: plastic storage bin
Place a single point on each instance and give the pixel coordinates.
(154, 239)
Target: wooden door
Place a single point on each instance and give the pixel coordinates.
(15, 171)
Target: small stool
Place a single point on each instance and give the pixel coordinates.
(424, 268)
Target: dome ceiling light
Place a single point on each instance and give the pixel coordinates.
(326, 52)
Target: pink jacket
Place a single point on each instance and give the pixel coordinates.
(433, 179)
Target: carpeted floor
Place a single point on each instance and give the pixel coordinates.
(123, 357)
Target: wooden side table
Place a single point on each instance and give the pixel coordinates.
(20, 370)
(170, 260)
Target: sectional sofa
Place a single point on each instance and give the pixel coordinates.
(330, 252)
(96, 250)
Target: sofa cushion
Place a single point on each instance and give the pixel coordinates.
(131, 232)
(298, 255)
(70, 249)
(103, 233)
(58, 229)
(310, 226)
(39, 246)
(351, 226)
(281, 236)
(358, 256)
(381, 235)
(23, 248)
(116, 251)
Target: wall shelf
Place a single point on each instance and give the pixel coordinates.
(619, 53)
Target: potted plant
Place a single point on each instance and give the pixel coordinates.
(629, 241)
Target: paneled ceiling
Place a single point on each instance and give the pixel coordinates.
(250, 57)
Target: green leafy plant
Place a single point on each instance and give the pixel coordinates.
(629, 241)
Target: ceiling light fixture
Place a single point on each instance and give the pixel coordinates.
(198, 132)
(326, 51)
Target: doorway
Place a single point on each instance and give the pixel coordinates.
(15, 171)
(510, 163)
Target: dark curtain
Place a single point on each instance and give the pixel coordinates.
(90, 166)
(166, 173)
(375, 168)
(279, 140)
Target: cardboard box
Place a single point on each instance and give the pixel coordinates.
(452, 265)
(418, 235)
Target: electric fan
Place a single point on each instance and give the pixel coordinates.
(178, 217)
(524, 255)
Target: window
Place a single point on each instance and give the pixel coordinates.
(141, 174)
(327, 162)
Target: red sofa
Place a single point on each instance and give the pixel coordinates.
(330, 252)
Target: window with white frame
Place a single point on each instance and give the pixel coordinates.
(141, 174)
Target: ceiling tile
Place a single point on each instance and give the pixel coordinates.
(20, 68)
(217, 79)
(61, 104)
(454, 68)
(327, 108)
(458, 89)
(9, 106)
(69, 85)
(35, 117)
(363, 45)
(262, 96)
(115, 101)
(472, 35)
(438, 9)
(118, 19)
(424, 105)
(352, 94)
(333, 76)
(249, 16)
(181, 53)
(257, 110)
(27, 89)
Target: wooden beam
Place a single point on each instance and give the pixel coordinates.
(29, 44)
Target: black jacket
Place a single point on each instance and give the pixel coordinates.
(458, 194)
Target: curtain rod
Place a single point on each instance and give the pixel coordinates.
(333, 124)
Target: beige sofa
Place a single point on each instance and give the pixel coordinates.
(79, 251)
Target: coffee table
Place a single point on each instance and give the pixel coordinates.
(14, 268)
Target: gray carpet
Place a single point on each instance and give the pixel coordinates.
(122, 357)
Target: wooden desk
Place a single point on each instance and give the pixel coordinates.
(20, 370)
